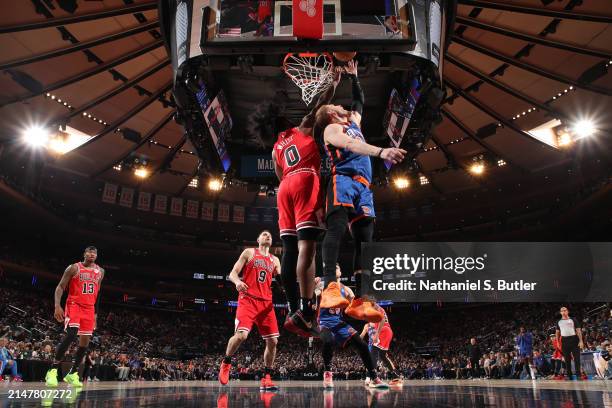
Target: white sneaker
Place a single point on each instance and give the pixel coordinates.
(378, 383)
(367, 381)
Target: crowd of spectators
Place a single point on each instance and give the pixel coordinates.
(145, 344)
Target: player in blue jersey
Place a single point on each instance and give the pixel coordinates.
(335, 331)
(350, 202)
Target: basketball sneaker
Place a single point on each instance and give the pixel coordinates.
(583, 377)
(559, 377)
(224, 372)
(297, 324)
(51, 378)
(332, 297)
(367, 381)
(396, 382)
(267, 384)
(363, 310)
(328, 379)
(73, 379)
(378, 383)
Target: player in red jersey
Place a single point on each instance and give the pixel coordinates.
(255, 306)
(379, 339)
(297, 163)
(82, 279)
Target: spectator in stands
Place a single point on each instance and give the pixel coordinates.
(7, 361)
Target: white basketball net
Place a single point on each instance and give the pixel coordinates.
(312, 74)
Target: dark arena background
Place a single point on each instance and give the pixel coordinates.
(145, 129)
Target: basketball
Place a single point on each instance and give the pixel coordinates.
(344, 56)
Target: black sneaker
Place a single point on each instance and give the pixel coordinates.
(297, 324)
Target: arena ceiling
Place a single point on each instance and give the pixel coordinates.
(99, 66)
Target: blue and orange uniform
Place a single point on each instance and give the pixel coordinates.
(332, 324)
(351, 177)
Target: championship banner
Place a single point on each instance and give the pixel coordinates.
(109, 195)
(488, 271)
(192, 209)
(238, 214)
(308, 19)
(144, 201)
(176, 206)
(127, 197)
(223, 212)
(252, 215)
(207, 211)
(160, 205)
(268, 217)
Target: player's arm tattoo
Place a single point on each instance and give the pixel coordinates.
(63, 283)
(335, 136)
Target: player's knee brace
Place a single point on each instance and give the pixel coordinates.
(288, 266)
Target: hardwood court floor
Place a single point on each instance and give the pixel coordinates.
(447, 393)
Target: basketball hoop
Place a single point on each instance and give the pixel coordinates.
(312, 73)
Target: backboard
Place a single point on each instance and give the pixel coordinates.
(266, 26)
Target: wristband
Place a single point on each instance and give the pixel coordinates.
(380, 152)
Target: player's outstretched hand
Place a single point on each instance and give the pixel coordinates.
(241, 286)
(337, 76)
(393, 154)
(351, 67)
(59, 314)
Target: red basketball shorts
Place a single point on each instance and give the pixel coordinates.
(83, 317)
(384, 338)
(255, 311)
(300, 204)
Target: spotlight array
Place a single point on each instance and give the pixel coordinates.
(194, 183)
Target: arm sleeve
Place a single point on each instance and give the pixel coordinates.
(358, 96)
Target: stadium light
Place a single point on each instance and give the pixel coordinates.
(401, 183)
(215, 184)
(36, 136)
(141, 172)
(584, 128)
(477, 168)
(564, 139)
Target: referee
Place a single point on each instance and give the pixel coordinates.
(568, 330)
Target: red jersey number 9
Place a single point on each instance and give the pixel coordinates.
(262, 276)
